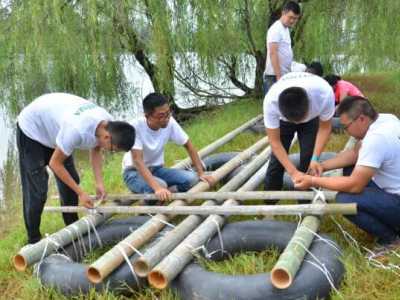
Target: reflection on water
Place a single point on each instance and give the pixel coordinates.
(138, 79)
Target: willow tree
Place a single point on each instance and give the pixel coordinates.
(203, 45)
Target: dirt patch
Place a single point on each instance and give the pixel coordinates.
(372, 84)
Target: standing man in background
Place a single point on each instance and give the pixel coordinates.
(279, 45)
(48, 131)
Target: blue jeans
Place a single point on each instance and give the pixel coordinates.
(268, 81)
(378, 212)
(182, 179)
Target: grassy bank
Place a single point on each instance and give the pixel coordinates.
(361, 281)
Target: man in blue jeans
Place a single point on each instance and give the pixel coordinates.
(374, 183)
(143, 166)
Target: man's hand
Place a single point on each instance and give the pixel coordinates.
(315, 169)
(101, 193)
(85, 200)
(296, 175)
(162, 194)
(303, 182)
(208, 178)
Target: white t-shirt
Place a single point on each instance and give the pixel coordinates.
(380, 149)
(279, 34)
(63, 120)
(319, 92)
(152, 142)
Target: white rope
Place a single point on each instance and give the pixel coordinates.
(122, 251)
(221, 242)
(162, 221)
(321, 266)
(130, 246)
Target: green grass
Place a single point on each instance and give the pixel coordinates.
(361, 281)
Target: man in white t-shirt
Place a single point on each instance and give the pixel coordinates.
(374, 183)
(48, 131)
(279, 45)
(143, 167)
(301, 103)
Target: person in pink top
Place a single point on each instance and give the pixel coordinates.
(342, 88)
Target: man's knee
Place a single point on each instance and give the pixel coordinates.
(344, 198)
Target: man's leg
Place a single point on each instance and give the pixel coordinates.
(34, 179)
(378, 212)
(274, 176)
(307, 134)
(183, 179)
(67, 196)
(268, 81)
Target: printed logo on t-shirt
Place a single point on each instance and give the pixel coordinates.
(85, 107)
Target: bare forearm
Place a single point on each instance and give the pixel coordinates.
(281, 154)
(343, 159)
(96, 160)
(275, 64)
(322, 138)
(60, 171)
(341, 184)
(195, 158)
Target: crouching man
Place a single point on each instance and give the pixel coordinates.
(143, 167)
(374, 183)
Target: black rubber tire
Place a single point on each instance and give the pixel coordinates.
(295, 159)
(214, 161)
(194, 282)
(68, 276)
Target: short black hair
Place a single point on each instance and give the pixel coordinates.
(152, 101)
(354, 106)
(122, 134)
(293, 104)
(332, 79)
(292, 6)
(315, 67)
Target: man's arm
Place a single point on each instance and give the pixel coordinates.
(280, 152)
(273, 54)
(343, 159)
(194, 156)
(96, 160)
(161, 192)
(355, 183)
(324, 130)
(56, 164)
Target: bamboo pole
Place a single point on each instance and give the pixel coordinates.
(239, 196)
(153, 255)
(221, 141)
(174, 263)
(171, 265)
(293, 209)
(31, 254)
(102, 267)
(289, 262)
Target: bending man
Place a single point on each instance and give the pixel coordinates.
(48, 131)
(299, 103)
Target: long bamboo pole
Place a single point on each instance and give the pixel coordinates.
(314, 209)
(221, 141)
(102, 267)
(289, 262)
(239, 196)
(153, 255)
(31, 254)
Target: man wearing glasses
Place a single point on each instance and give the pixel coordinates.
(374, 183)
(48, 131)
(143, 167)
(299, 103)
